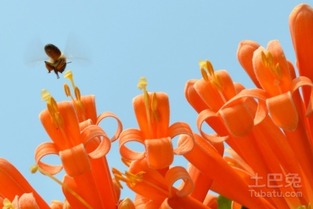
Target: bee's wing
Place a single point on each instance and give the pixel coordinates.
(76, 51)
(34, 53)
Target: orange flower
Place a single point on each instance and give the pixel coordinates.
(150, 174)
(15, 188)
(247, 136)
(269, 129)
(152, 113)
(156, 190)
(82, 145)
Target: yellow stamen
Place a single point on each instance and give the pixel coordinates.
(7, 204)
(67, 90)
(126, 204)
(36, 168)
(127, 177)
(133, 179)
(78, 104)
(151, 106)
(45, 95)
(142, 85)
(69, 75)
(208, 74)
(304, 207)
(77, 94)
(268, 61)
(154, 106)
(52, 108)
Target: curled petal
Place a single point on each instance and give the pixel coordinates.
(119, 123)
(302, 81)
(211, 118)
(75, 160)
(146, 181)
(225, 121)
(159, 152)
(67, 134)
(95, 132)
(180, 128)
(258, 94)
(237, 119)
(278, 106)
(41, 151)
(179, 173)
(130, 135)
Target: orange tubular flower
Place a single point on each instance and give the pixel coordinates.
(82, 146)
(152, 113)
(301, 29)
(15, 188)
(269, 143)
(156, 190)
(150, 174)
(268, 131)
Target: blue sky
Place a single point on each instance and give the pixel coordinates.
(121, 41)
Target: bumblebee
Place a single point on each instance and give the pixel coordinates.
(57, 60)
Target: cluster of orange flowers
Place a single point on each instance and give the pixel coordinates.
(269, 132)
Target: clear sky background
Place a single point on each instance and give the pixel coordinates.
(121, 41)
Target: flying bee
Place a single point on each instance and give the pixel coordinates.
(57, 61)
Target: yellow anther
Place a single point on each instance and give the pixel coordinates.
(267, 58)
(52, 107)
(77, 93)
(268, 61)
(118, 175)
(7, 204)
(208, 74)
(142, 83)
(204, 74)
(127, 177)
(133, 179)
(278, 70)
(67, 90)
(34, 169)
(207, 66)
(69, 75)
(126, 204)
(45, 95)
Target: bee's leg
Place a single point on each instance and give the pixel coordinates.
(49, 66)
(56, 72)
